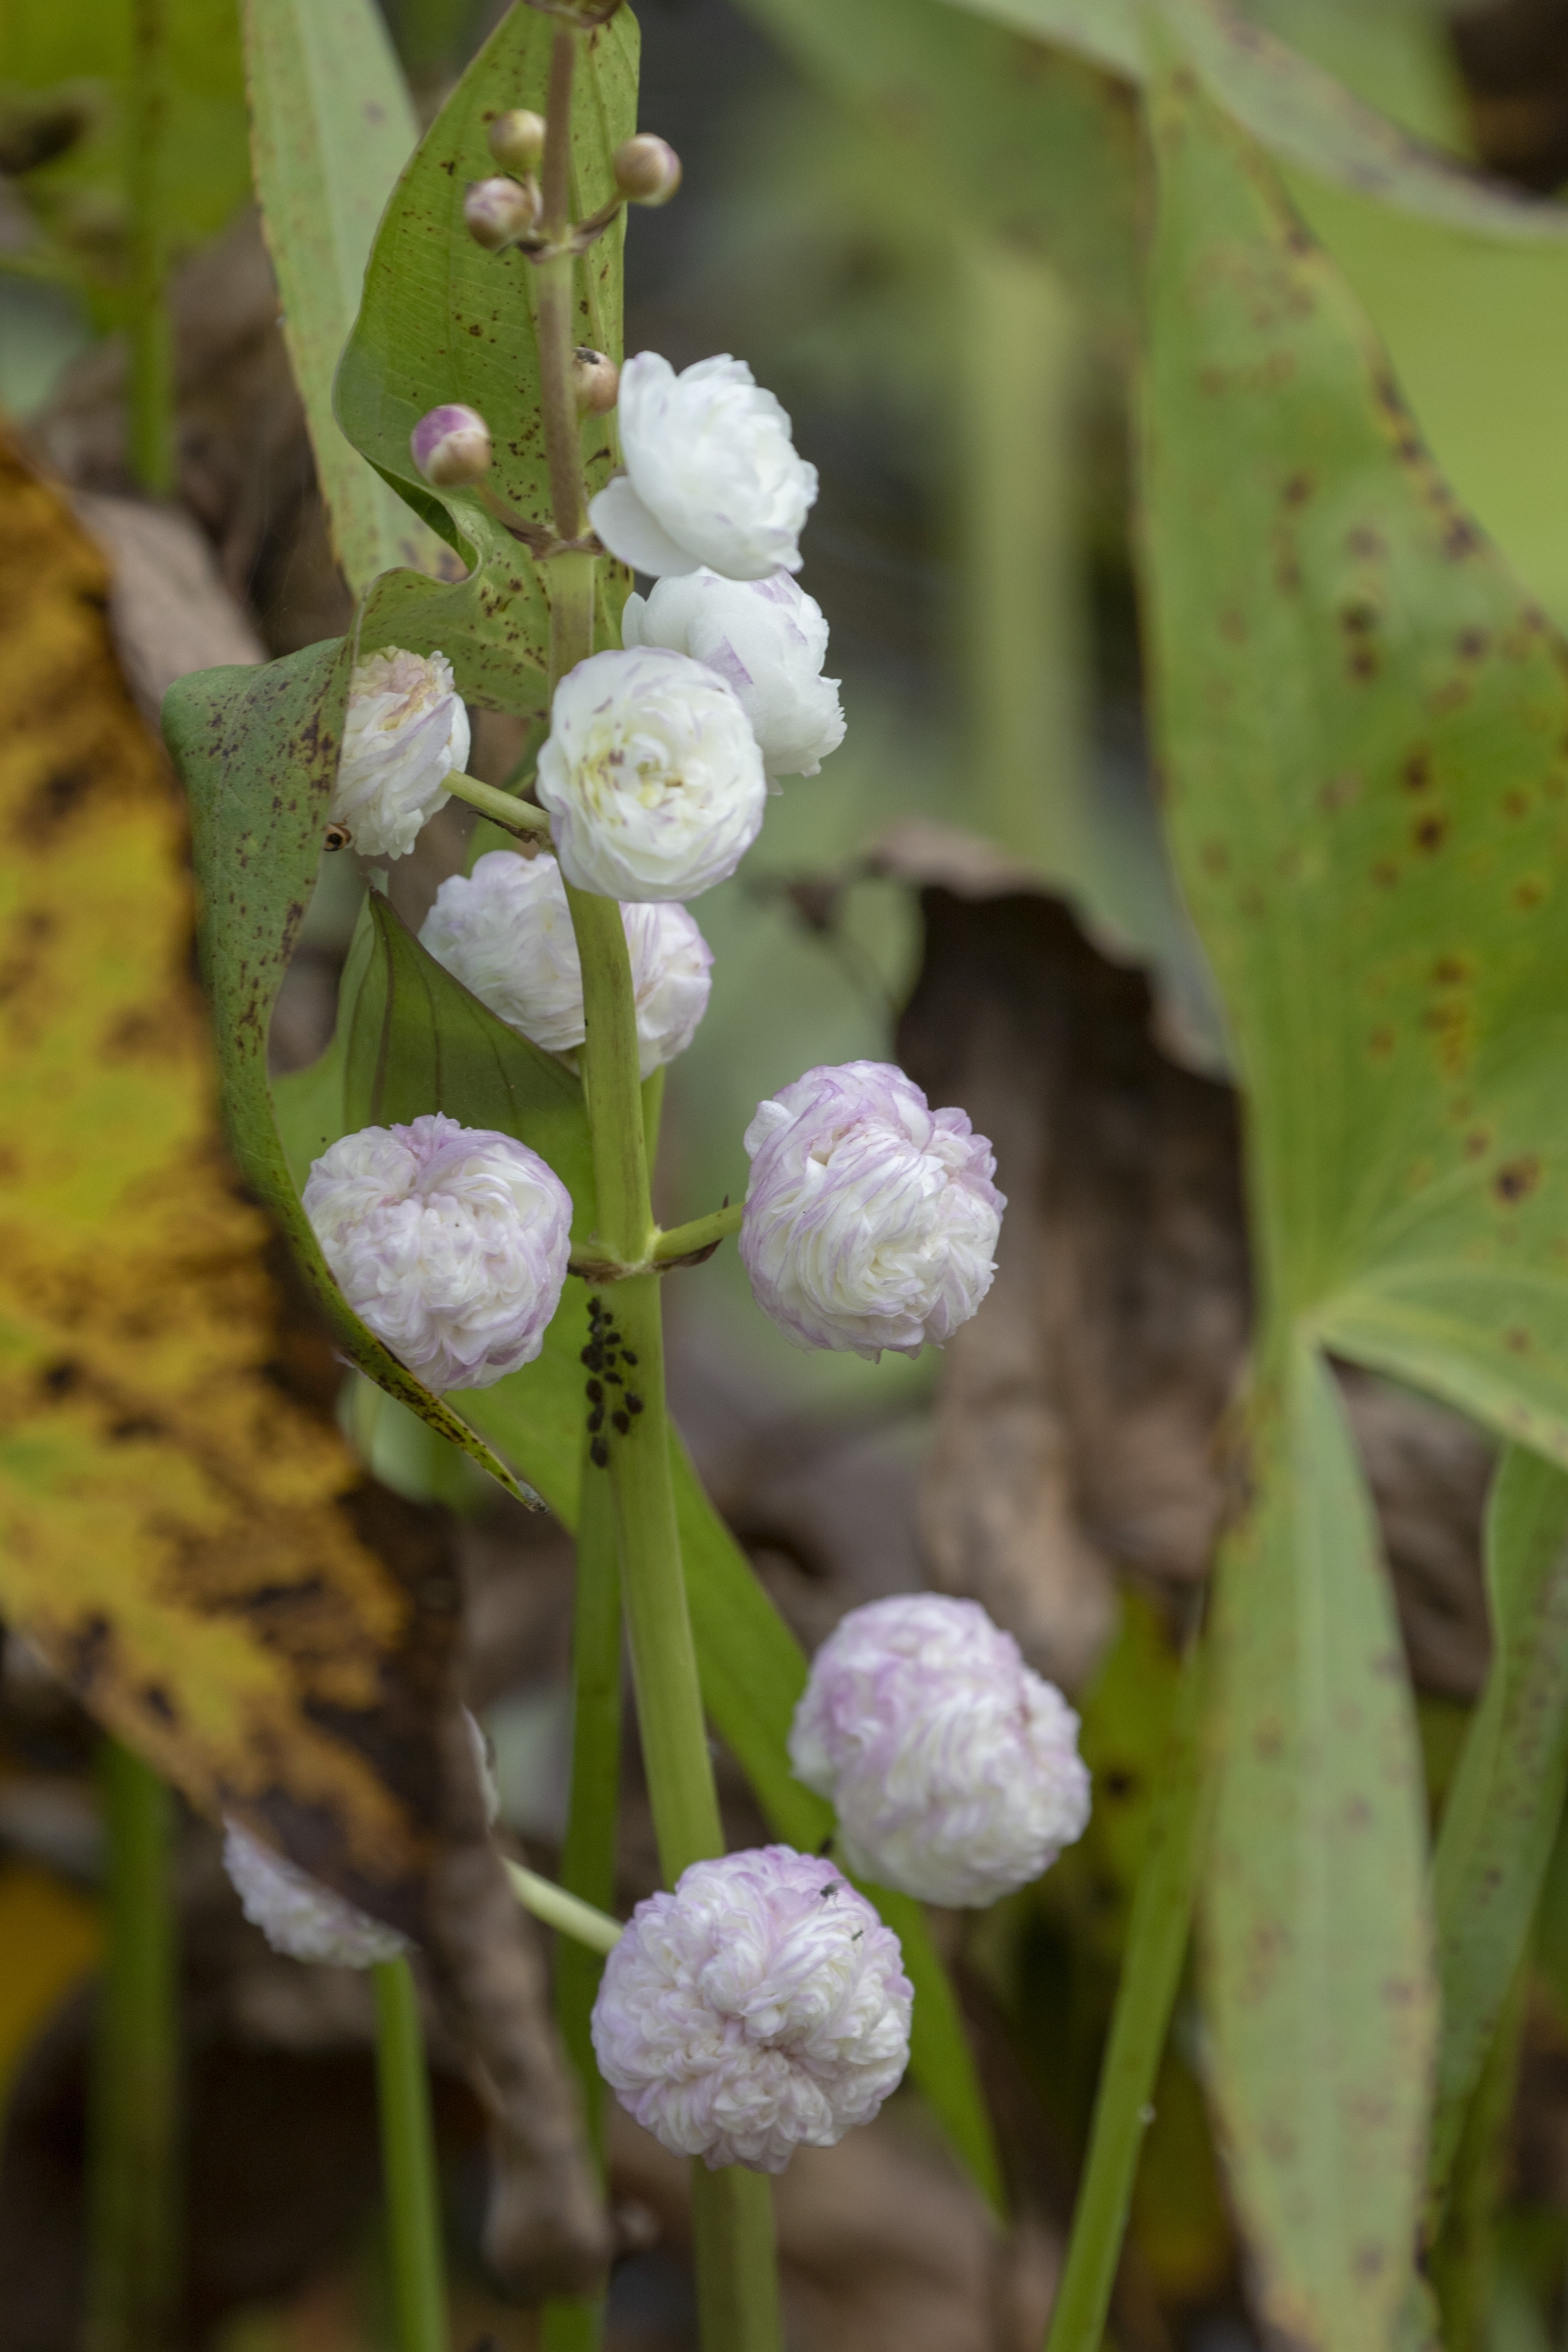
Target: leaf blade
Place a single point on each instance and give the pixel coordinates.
(323, 172)
(1504, 1808)
(1316, 1940)
(257, 750)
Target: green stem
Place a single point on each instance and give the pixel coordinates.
(1151, 1972)
(737, 2260)
(664, 1655)
(556, 283)
(576, 2324)
(152, 392)
(502, 808)
(409, 2162)
(737, 2286)
(134, 2151)
(589, 1927)
(702, 1233)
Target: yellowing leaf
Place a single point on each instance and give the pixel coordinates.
(177, 1530)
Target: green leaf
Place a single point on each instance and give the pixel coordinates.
(257, 750)
(330, 129)
(1502, 1814)
(1364, 724)
(1319, 1968)
(417, 1041)
(1300, 114)
(444, 321)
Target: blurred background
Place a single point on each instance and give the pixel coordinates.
(922, 233)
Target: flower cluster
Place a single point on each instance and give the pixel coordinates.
(505, 931)
(953, 1767)
(450, 1242)
(761, 2006)
(654, 770)
(870, 1220)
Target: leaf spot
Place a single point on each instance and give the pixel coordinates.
(1518, 1180)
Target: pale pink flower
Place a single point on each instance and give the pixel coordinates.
(761, 2007)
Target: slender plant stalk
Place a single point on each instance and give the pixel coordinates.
(737, 2284)
(502, 808)
(1151, 1972)
(133, 2268)
(702, 1233)
(737, 2260)
(408, 2163)
(576, 2324)
(563, 435)
(152, 401)
(582, 1923)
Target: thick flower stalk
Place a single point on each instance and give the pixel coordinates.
(406, 732)
(954, 1766)
(651, 775)
(450, 1242)
(870, 1220)
(505, 931)
(711, 473)
(761, 2007)
(769, 640)
(297, 1914)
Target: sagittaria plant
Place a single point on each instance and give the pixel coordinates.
(466, 1175)
(1362, 720)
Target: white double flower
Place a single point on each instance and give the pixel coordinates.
(711, 473)
(505, 931)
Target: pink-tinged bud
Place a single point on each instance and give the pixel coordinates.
(954, 1766)
(597, 381)
(870, 1220)
(646, 170)
(450, 1242)
(761, 2007)
(516, 140)
(451, 445)
(499, 211)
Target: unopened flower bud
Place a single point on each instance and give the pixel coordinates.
(297, 1914)
(954, 1766)
(769, 639)
(498, 212)
(870, 1220)
(651, 775)
(761, 2007)
(505, 931)
(597, 381)
(517, 141)
(406, 731)
(450, 1242)
(711, 474)
(646, 170)
(451, 445)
